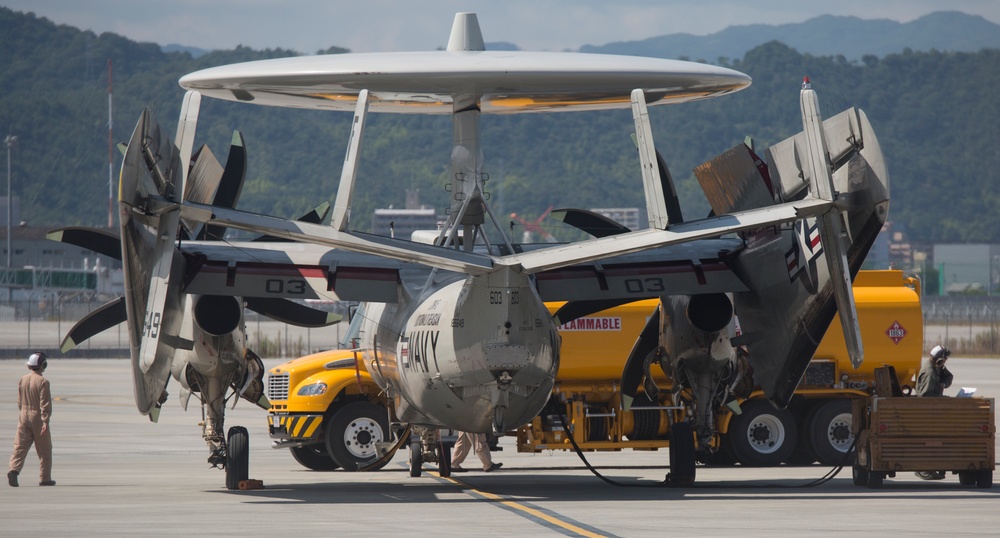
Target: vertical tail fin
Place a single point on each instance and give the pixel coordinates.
(794, 274)
(831, 226)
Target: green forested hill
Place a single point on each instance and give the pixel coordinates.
(825, 35)
(938, 124)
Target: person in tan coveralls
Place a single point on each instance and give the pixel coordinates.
(477, 443)
(34, 400)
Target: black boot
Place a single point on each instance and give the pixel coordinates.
(12, 478)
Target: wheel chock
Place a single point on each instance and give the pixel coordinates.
(250, 484)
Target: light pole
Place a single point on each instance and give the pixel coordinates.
(11, 141)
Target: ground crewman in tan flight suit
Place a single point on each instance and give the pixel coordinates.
(34, 400)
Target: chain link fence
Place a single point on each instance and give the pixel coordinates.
(966, 324)
(969, 325)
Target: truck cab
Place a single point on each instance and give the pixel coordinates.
(328, 411)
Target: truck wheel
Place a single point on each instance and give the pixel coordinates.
(762, 436)
(830, 433)
(860, 475)
(352, 433)
(237, 457)
(682, 466)
(968, 478)
(803, 453)
(416, 458)
(314, 458)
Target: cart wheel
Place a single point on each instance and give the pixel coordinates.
(875, 479)
(985, 479)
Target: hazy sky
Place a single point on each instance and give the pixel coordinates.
(387, 25)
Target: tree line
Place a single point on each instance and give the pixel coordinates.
(932, 111)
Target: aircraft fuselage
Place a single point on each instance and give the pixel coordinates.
(478, 354)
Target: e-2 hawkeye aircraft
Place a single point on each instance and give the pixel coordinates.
(457, 333)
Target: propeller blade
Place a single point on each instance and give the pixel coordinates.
(200, 187)
(316, 216)
(231, 184)
(577, 309)
(98, 240)
(105, 317)
(672, 202)
(593, 223)
(291, 312)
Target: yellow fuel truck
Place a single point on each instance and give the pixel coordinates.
(328, 411)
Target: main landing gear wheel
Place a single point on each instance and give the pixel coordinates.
(762, 436)
(352, 435)
(314, 458)
(237, 457)
(682, 464)
(830, 433)
(444, 459)
(416, 458)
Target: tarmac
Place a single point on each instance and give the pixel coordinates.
(119, 474)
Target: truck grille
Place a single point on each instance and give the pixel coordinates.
(277, 387)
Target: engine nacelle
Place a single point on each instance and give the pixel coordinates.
(710, 312)
(218, 315)
(696, 334)
(218, 334)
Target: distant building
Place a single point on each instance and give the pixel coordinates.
(401, 223)
(968, 268)
(626, 216)
(39, 265)
(31, 249)
(892, 248)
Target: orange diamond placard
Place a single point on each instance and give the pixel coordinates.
(895, 332)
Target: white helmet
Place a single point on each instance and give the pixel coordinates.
(939, 352)
(36, 360)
